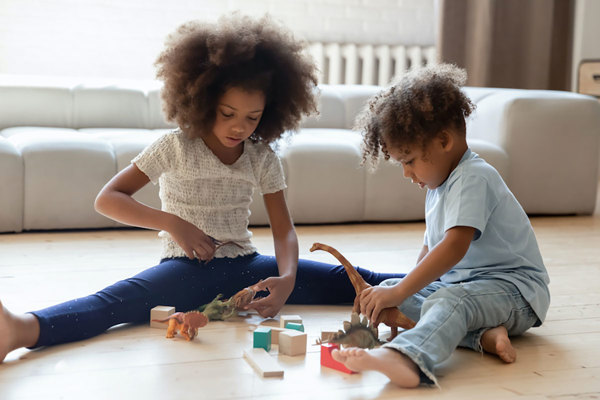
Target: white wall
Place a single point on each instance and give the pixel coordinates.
(586, 38)
(121, 39)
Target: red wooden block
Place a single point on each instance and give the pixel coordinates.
(328, 361)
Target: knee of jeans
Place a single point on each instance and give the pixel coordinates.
(390, 282)
(451, 295)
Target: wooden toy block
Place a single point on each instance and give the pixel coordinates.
(328, 361)
(263, 363)
(327, 335)
(289, 318)
(295, 326)
(160, 312)
(275, 332)
(292, 343)
(262, 338)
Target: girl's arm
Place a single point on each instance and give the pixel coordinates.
(433, 264)
(286, 253)
(115, 201)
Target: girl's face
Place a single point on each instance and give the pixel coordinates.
(238, 114)
(428, 167)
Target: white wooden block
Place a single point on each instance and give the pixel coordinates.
(292, 342)
(275, 334)
(263, 363)
(160, 312)
(284, 319)
(327, 334)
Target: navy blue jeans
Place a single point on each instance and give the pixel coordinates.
(187, 284)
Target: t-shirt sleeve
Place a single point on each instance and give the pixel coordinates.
(469, 203)
(154, 160)
(271, 178)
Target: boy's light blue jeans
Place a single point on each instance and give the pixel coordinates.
(451, 315)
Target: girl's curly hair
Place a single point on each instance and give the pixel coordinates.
(414, 111)
(202, 60)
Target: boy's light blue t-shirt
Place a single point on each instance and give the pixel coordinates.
(504, 245)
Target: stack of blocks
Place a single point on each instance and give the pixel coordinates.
(290, 337)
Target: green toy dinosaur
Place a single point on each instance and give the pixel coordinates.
(220, 310)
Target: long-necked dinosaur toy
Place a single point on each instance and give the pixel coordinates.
(390, 316)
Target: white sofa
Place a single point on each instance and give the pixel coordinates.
(61, 140)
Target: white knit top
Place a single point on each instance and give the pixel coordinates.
(196, 186)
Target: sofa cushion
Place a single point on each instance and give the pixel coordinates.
(325, 181)
(11, 187)
(63, 172)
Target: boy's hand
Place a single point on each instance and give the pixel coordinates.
(374, 299)
(194, 242)
(279, 289)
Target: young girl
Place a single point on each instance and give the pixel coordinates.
(478, 240)
(233, 88)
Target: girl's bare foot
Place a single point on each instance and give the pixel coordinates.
(16, 331)
(393, 364)
(496, 341)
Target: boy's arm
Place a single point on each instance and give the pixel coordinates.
(286, 253)
(423, 253)
(433, 264)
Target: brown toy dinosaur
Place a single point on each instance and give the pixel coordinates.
(186, 323)
(390, 316)
(220, 243)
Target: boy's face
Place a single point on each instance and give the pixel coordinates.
(427, 167)
(238, 115)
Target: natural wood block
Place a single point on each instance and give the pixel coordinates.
(284, 319)
(160, 312)
(326, 335)
(275, 334)
(292, 343)
(263, 363)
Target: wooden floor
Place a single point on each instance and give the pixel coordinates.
(560, 360)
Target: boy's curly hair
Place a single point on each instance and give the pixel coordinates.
(414, 111)
(202, 60)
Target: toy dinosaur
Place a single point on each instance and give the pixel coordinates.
(356, 333)
(186, 323)
(220, 243)
(219, 310)
(390, 316)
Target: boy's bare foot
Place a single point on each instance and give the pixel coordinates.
(496, 341)
(16, 331)
(401, 370)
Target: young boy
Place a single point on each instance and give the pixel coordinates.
(478, 242)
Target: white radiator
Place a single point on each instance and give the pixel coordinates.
(347, 63)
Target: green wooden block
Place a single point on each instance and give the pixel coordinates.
(293, 325)
(262, 338)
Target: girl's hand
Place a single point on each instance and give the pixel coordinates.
(279, 289)
(194, 242)
(374, 299)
